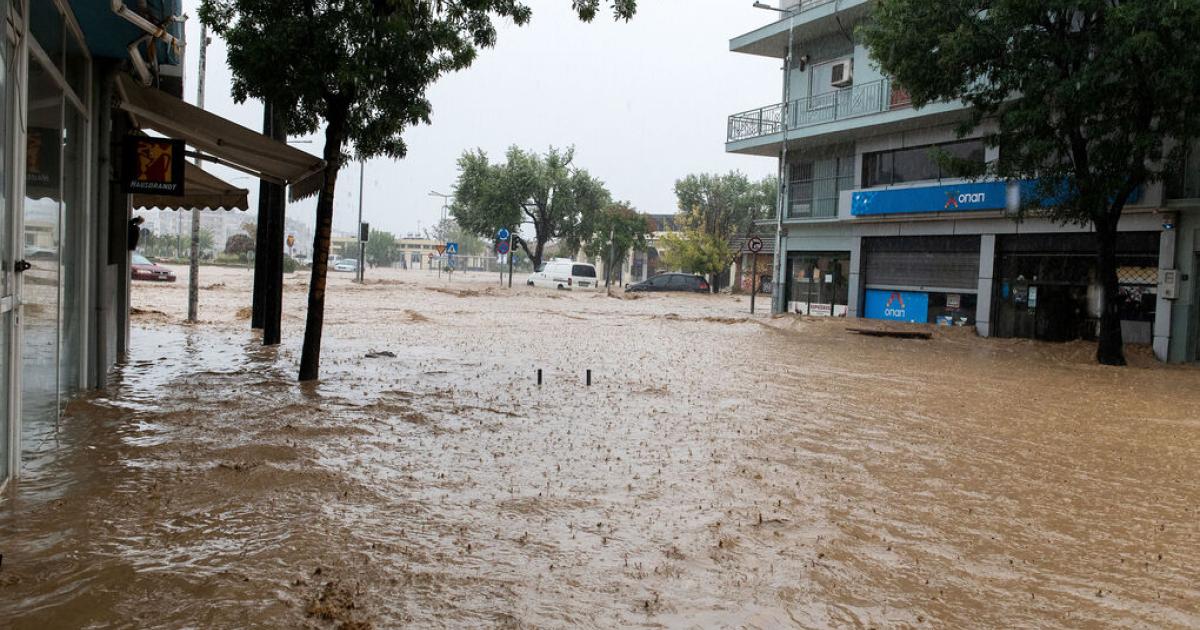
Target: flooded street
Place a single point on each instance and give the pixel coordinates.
(722, 470)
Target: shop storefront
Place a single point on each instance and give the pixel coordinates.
(921, 279)
(818, 283)
(1047, 286)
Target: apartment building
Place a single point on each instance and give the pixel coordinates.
(871, 227)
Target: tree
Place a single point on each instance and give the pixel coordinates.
(723, 206)
(382, 249)
(1089, 98)
(695, 252)
(618, 230)
(239, 245)
(448, 230)
(206, 240)
(558, 199)
(361, 68)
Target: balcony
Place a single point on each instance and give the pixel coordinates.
(852, 102)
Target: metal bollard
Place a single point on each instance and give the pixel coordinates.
(589, 378)
(539, 376)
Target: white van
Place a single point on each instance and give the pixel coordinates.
(564, 273)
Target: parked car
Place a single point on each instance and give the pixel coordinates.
(346, 264)
(671, 282)
(143, 269)
(564, 274)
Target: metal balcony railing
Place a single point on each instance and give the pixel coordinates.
(852, 102)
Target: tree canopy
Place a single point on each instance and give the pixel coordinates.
(382, 249)
(695, 252)
(723, 206)
(618, 229)
(362, 69)
(1087, 97)
(547, 192)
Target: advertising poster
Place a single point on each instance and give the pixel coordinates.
(153, 165)
(897, 306)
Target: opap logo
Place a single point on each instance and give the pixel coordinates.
(890, 309)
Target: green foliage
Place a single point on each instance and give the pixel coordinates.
(724, 205)
(449, 231)
(695, 252)
(491, 196)
(239, 245)
(1087, 96)
(360, 71)
(290, 265)
(618, 229)
(382, 249)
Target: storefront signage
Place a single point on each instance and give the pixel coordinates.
(897, 306)
(42, 146)
(153, 165)
(969, 197)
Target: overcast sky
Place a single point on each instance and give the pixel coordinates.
(643, 102)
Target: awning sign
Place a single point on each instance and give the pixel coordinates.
(966, 197)
(153, 165)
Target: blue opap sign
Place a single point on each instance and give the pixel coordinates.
(897, 306)
(969, 197)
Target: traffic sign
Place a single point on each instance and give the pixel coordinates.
(755, 244)
(452, 248)
(502, 248)
(503, 234)
(291, 240)
(441, 249)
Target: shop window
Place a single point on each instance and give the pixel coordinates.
(814, 186)
(898, 166)
(819, 284)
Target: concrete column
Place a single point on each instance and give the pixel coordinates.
(855, 288)
(1162, 316)
(983, 299)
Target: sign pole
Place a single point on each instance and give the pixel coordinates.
(510, 259)
(753, 281)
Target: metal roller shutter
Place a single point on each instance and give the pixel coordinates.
(950, 262)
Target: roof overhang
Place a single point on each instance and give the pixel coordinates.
(202, 190)
(223, 141)
(819, 21)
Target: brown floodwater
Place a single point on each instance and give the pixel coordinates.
(722, 470)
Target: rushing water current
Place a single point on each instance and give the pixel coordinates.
(722, 471)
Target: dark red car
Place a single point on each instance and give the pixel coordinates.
(143, 269)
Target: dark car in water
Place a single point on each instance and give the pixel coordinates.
(672, 282)
(143, 269)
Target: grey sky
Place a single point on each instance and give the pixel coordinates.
(643, 102)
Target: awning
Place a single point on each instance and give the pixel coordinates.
(223, 141)
(202, 190)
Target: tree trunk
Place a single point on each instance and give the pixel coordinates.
(1111, 349)
(310, 356)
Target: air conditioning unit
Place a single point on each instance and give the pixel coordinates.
(842, 73)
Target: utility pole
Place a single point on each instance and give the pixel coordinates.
(362, 245)
(194, 259)
(612, 237)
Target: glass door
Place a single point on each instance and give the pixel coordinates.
(7, 299)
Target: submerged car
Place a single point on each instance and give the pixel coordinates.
(143, 269)
(346, 264)
(671, 282)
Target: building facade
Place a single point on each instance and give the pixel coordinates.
(83, 85)
(870, 226)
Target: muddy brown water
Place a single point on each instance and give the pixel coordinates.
(721, 471)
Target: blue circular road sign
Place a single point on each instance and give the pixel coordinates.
(502, 248)
(502, 235)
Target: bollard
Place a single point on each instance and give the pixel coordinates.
(539, 376)
(589, 378)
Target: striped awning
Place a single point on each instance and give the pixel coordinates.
(202, 191)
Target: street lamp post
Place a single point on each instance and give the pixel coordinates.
(442, 224)
(362, 246)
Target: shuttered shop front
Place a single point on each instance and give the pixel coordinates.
(922, 262)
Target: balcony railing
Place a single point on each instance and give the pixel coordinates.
(852, 102)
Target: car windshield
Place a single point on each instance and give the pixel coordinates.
(139, 259)
(583, 271)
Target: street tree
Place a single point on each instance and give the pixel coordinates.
(1088, 98)
(239, 245)
(547, 192)
(618, 230)
(360, 69)
(694, 251)
(723, 206)
(449, 231)
(382, 249)
(715, 207)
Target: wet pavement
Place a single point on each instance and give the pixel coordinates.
(721, 471)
